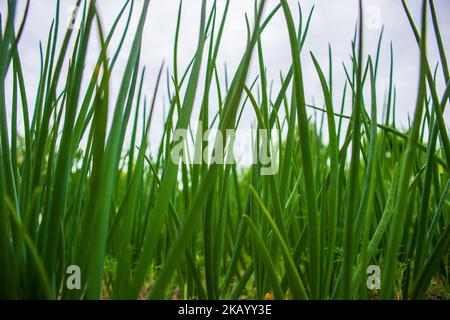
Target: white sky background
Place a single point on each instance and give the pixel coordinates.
(333, 23)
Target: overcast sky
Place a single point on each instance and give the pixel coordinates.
(333, 23)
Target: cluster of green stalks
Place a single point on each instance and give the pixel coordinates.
(79, 186)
